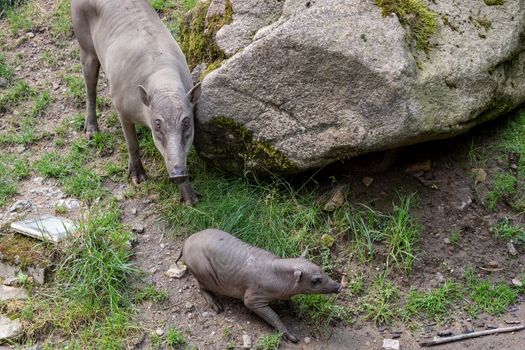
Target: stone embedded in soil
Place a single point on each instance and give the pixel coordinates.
(176, 271)
(134, 211)
(512, 250)
(334, 199)
(69, 203)
(46, 228)
(307, 340)
(246, 341)
(390, 344)
(20, 206)
(419, 167)
(517, 282)
(493, 264)
(159, 332)
(12, 293)
(446, 333)
(9, 329)
(367, 181)
(137, 228)
(446, 241)
(188, 305)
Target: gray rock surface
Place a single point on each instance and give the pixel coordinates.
(12, 293)
(9, 328)
(336, 79)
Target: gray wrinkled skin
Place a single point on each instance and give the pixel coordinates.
(149, 79)
(226, 265)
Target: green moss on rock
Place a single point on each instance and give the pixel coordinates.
(494, 2)
(197, 34)
(24, 251)
(239, 151)
(413, 13)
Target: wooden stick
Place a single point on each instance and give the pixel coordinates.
(470, 335)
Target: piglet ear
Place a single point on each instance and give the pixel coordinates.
(144, 95)
(194, 94)
(297, 275)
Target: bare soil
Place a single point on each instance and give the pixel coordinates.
(448, 201)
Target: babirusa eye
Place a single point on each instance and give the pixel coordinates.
(157, 123)
(186, 123)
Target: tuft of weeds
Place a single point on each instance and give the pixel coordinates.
(175, 338)
(503, 185)
(15, 95)
(493, 299)
(50, 59)
(61, 21)
(414, 14)
(356, 286)
(319, 310)
(380, 304)
(149, 292)
(455, 237)
(75, 89)
(6, 72)
(494, 2)
(12, 170)
(18, 21)
(401, 234)
(433, 305)
(270, 341)
(506, 230)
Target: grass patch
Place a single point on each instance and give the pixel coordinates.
(379, 305)
(72, 172)
(414, 14)
(15, 95)
(319, 310)
(61, 27)
(507, 231)
(149, 292)
(493, 299)
(270, 341)
(401, 234)
(75, 89)
(503, 185)
(6, 5)
(12, 170)
(433, 305)
(175, 338)
(494, 2)
(89, 307)
(6, 72)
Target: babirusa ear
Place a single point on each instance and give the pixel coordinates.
(194, 93)
(144, 95)
(303, 254)
(297, 275)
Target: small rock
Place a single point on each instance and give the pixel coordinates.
(134, 211)
(19, 206)
(307, 340)
(344, 281)
(159, 332)
(11, 281)
(137, 228)
(176, 271)
(334, 199)
(20, 149)
(480, 175)
(446, 240)
(512, 249)
(162, 245)
(12, 293)
(246, 341)
(55, 86)
(9, 328)
(491, 326)
(38, 180)
(517, 282)
(69, 203)
(188, 305)
(120, 197)
(3, 83)
(206, 314)
(493, 264)
(367, 181)
(478, 323)
(446, 333)
(190, 315)
(419, 167)
(390, 344)
(30, 34)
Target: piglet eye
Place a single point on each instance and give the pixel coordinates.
(186, 123)
(157, 124)
(316, 280)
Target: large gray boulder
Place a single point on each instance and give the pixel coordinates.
(332, 79)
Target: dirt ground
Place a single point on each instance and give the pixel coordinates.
(448, 201)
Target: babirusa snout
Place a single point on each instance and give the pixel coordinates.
(178, 174)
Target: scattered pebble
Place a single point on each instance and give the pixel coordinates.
(134, 211)
(3, 83)
(162, 245)
(246, 341)
(159, 332)
(478, 323)
(9, 328)
(188, 305)
(20, 206)
(512, 249)
(367, 181)
(390, 344)
(493, 264)
(206, 314)
(446, 333)
(137, 228)
(190, 316)
(30, 35)
(517, 282)
(334, 199)
(176, 271)
(446, 240)
(69, 203)
(307, 340)
(12, 293)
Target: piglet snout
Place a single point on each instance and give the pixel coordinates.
(178, 175)
(338, 288)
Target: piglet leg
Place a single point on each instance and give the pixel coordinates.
(272, 318)
(210, 299)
